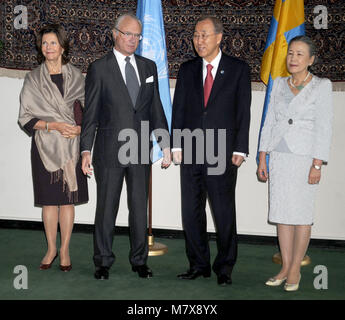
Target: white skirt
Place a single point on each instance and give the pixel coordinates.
(291, 197)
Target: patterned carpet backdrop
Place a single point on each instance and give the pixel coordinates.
(88, 23)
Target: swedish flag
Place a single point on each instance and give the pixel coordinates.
(287, 22)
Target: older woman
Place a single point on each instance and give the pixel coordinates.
(297, 135)
(50, 111)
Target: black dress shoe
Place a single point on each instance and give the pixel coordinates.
(224, 279)
(102, 273)
(193, 274)
(143, 271)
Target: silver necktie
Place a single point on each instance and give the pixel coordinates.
(131, 81)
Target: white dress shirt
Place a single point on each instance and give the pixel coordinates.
(120, 58)
(214, 63)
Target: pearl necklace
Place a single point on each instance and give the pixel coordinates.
(301, 86)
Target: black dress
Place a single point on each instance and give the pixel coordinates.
(47, 192)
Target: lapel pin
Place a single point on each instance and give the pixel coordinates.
(221, 71)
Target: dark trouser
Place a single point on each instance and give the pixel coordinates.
(109, 186)
(196, 186)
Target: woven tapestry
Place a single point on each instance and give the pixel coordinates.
(89, 23)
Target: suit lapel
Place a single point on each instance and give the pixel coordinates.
(199, 85)
(117, 77)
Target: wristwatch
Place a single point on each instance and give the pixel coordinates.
(316, 167)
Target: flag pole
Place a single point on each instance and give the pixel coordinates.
(153, 47)
(155, 248)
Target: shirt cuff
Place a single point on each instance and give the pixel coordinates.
(176, 149)
(240, 154)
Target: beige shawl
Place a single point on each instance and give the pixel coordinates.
(40, 98)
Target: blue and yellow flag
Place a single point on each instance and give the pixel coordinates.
(153, 47)
(287, 22)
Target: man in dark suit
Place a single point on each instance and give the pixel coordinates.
(213, 92)
(121, 95)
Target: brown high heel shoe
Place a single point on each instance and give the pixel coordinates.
(45, 266)
(66, 268)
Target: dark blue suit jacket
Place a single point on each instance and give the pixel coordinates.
(228, 106)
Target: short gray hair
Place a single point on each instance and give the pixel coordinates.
(126, 15)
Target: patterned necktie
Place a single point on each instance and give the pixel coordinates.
(131, 81)
(208, 83)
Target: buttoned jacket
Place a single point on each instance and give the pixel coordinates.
(305, 123)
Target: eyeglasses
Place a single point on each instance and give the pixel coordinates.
(129, 35)
(202, 36)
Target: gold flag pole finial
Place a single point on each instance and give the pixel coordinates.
(155, 248)
(277, 258)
